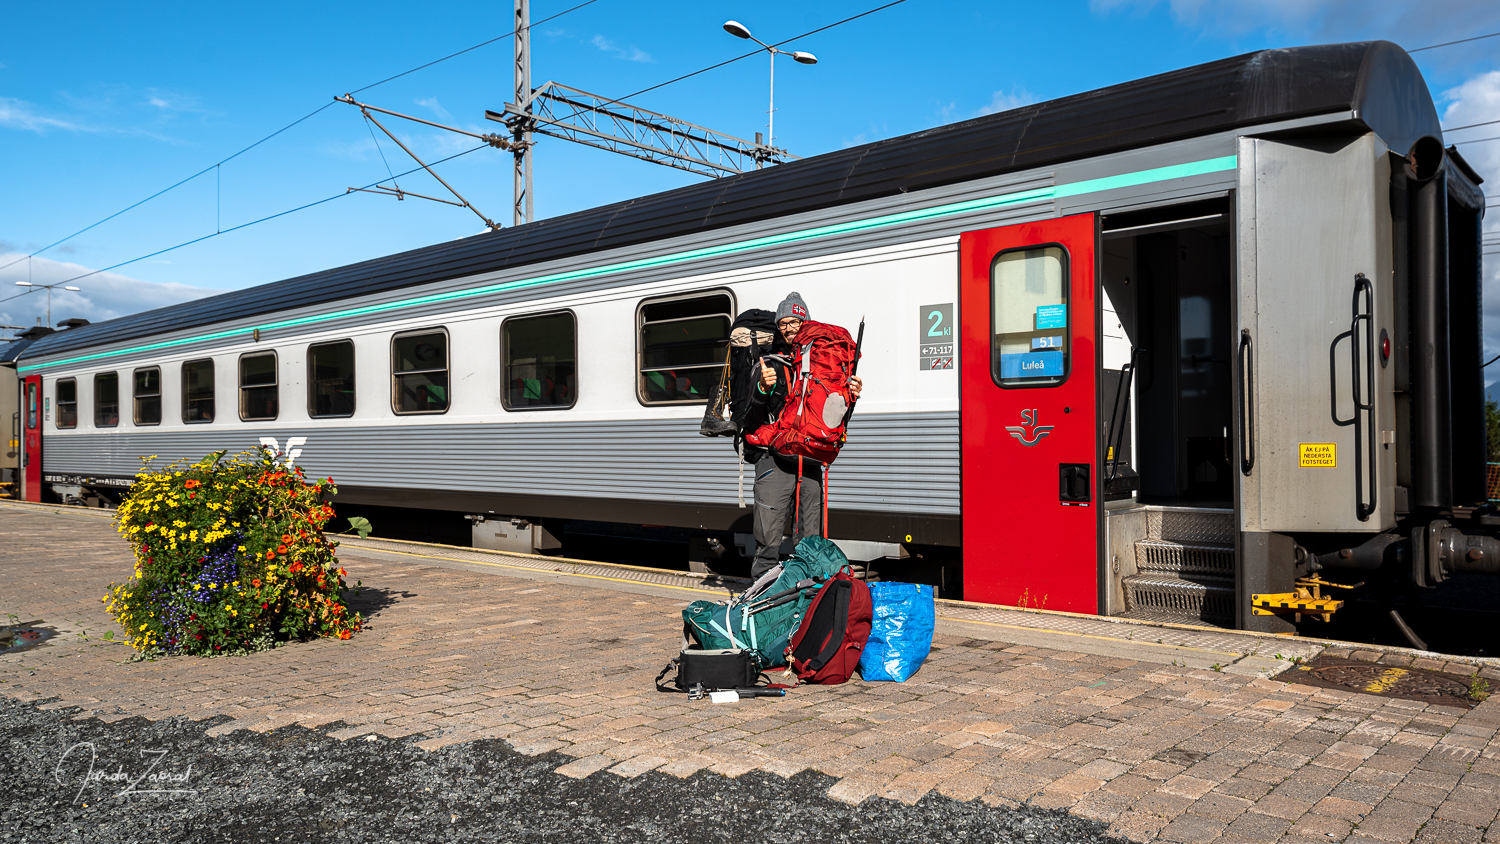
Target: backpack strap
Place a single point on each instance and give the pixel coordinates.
(659, 687)
(824, 485)
(835, 639)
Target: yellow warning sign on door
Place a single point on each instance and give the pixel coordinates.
(1317, 455)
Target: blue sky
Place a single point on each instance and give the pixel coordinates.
(103, 104)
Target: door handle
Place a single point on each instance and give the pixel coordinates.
(1362, 393)
(1073, 485)
(1246, 371)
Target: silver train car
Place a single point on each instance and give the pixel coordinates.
(1162, 349)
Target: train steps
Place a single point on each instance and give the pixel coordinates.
(1184, 568)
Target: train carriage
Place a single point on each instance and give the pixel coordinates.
(1155, 349)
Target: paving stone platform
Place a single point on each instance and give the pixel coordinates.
(1126, 723)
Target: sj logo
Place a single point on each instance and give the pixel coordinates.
(1034, 436)
(292, 451)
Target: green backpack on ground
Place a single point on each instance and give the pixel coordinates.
(762, 620)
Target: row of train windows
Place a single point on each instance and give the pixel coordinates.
(682, 354)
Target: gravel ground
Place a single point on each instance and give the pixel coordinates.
(298, 785)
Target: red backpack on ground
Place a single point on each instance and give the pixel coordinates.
(811, 424)
(828, 644)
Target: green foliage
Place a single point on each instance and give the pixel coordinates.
(359, 525)
(230, 557)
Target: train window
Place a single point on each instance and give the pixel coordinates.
(330, 379)
(682, 343)
(198, 391)
(1030, 292)
(148, 396)
(419, 372)
(258, 392)
(106, 400)
(67, 403)
(540, 355)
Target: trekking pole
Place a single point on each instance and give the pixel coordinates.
(859, 342)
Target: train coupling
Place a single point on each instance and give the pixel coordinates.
(1308, 599)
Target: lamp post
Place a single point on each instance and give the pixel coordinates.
(49, 295)
(739, 30)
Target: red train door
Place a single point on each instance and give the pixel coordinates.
(1028, 362)
(31, 434)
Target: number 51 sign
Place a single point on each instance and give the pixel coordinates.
(935, 338)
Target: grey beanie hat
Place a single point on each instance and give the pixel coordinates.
(792, 306)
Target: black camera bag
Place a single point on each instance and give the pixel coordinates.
(731, 668)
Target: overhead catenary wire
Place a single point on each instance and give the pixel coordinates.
(1451, 43)
(243, 225)
(294, 123)
(1470, 126)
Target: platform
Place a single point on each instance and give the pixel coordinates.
(1164, 732)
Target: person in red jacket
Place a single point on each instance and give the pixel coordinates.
(775, 475)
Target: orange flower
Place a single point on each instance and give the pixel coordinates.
(270, 555)
(191, 484)
(344, 634)
(255, 583)
(286, 537)
(281, 549)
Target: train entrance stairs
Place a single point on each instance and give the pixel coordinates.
(1184, 567)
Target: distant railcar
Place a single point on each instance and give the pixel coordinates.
(1154, 349)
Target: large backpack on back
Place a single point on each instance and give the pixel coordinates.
(828, 644)
(811, 424)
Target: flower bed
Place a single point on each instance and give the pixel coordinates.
(230, 557)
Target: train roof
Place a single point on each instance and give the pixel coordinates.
(1376, 82)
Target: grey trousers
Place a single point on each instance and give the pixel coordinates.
(775, 487)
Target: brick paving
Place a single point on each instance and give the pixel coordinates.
(1159, 752)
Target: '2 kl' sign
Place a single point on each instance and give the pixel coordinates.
(935, 337)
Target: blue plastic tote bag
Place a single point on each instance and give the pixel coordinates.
(901, 635)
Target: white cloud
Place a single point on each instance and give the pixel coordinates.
(170, 104)
(103, 296)
(1475, 101)
(19, 114)
(629, 54)
(432, 104)
(1006, 100)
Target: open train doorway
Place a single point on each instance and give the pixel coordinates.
(1167, 412)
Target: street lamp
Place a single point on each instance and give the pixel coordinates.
(49, 295)
(739, 30)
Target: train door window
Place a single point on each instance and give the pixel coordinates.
(682, 346)
(67, 403)
(540, 356)
(330, 379)
(419, 372)
(258, 391)
(106, 400)
(1029, 288)
(198, 391)
(148, 396)
(31, 403)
